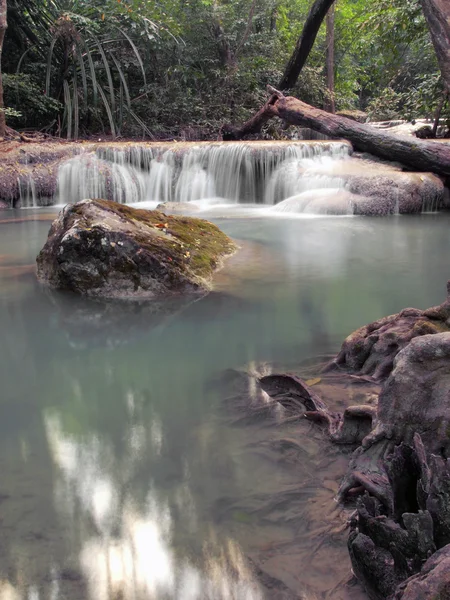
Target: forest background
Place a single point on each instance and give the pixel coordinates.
(182, 68)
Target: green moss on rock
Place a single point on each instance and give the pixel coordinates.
(102, 248)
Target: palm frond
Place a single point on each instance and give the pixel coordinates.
(68, 108)
(108, 110)
(107, 70)
(136, 52)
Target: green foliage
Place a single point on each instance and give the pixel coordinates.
(422, 96)
(132, 67)
(385, 106)
(10, 112)
(27, 103)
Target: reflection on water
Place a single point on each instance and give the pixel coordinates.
(132, 556)
(127, 471)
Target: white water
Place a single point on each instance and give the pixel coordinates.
(27, 192)
(205, 173)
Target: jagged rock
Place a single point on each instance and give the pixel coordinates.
(101, 248)
(371, 350)
(416, 397)
(415, 400)
(433, 581)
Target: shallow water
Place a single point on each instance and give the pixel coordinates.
(127, 474)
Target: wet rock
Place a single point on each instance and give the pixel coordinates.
(104, 249)
(4, 205)
(416, 397)
(424, 133)
(390, 553)
(375, 187)
(396, 192)
(371, 350)
(30, 177)
(386, 189)
(433, 581)
(403, 464)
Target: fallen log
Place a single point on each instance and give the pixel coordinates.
(414, 153)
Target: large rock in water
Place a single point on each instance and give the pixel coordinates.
(371, 350)
(104, 249)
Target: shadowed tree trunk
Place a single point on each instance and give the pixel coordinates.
(437, 14)
(224, 51)
(305, 42)
(247, 31)
(330, 104)
(3, 25)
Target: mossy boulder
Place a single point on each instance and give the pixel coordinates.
(104, 249)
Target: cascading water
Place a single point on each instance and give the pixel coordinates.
(27, 192)
(211, 172)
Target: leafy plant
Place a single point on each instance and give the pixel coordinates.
(84, 46)
(28, 105)
(385, 107)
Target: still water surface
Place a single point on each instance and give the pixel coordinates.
(124, 473)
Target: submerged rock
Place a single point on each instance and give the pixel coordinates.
(104, 249)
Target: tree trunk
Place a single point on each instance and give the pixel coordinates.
(437, 14)
(437, 116)
(306, 41)
(312, 25)
(330, 104)
(224, 51)
(253, 125)
(3, 25)
(247, 30)
(414, 153)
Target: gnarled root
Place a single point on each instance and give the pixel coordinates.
(296, 396)
(390, 541)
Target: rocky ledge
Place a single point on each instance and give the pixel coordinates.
(103, 249)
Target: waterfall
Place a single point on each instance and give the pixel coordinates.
(241, 172)
(27, 192)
